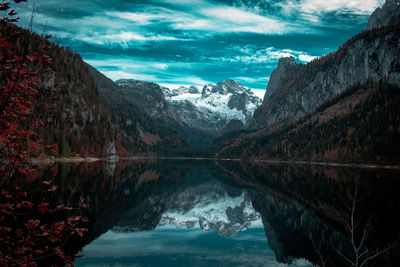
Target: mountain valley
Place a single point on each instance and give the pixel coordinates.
(339, 107)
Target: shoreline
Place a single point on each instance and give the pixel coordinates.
(52, 160)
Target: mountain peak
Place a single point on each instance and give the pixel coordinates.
(225, 87)
(286, 62)
(388, 14)
(284, 65)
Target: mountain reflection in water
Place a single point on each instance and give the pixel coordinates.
(205, 213)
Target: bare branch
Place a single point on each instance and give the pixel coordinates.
(374, 255)
(341, 254)
(44, 29)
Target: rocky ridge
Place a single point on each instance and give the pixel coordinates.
(388, 14)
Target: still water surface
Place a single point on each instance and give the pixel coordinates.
(207, 213)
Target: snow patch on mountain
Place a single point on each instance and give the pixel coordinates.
(211, 108)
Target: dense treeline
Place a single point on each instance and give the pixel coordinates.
(368, 132)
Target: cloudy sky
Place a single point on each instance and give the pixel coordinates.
(176, 42)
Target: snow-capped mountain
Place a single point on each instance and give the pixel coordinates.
(213, 107)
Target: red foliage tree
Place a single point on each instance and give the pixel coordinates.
(34, 229)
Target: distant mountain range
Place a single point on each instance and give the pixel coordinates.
(212, 108)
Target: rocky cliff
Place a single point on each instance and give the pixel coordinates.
(388, 14)
(284, 65)
(372, 55)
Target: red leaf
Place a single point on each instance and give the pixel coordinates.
(39, 251)
(59, 207)
(32, 58)
(23, 171)
(32, 224)
(52, 189)
(47, 182)
(42, 208)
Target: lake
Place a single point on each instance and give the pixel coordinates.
(230, 213)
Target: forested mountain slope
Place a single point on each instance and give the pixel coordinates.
(83, 112)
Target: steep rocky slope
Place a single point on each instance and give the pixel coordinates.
(388, 14)
(373, 55)
(212, 108)
(284, 65)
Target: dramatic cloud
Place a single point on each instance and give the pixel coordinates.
(176, 42)
(264, 55)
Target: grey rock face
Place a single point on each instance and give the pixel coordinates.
(388, 14)
(361, 61)
(284, 65)
(193, 89)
